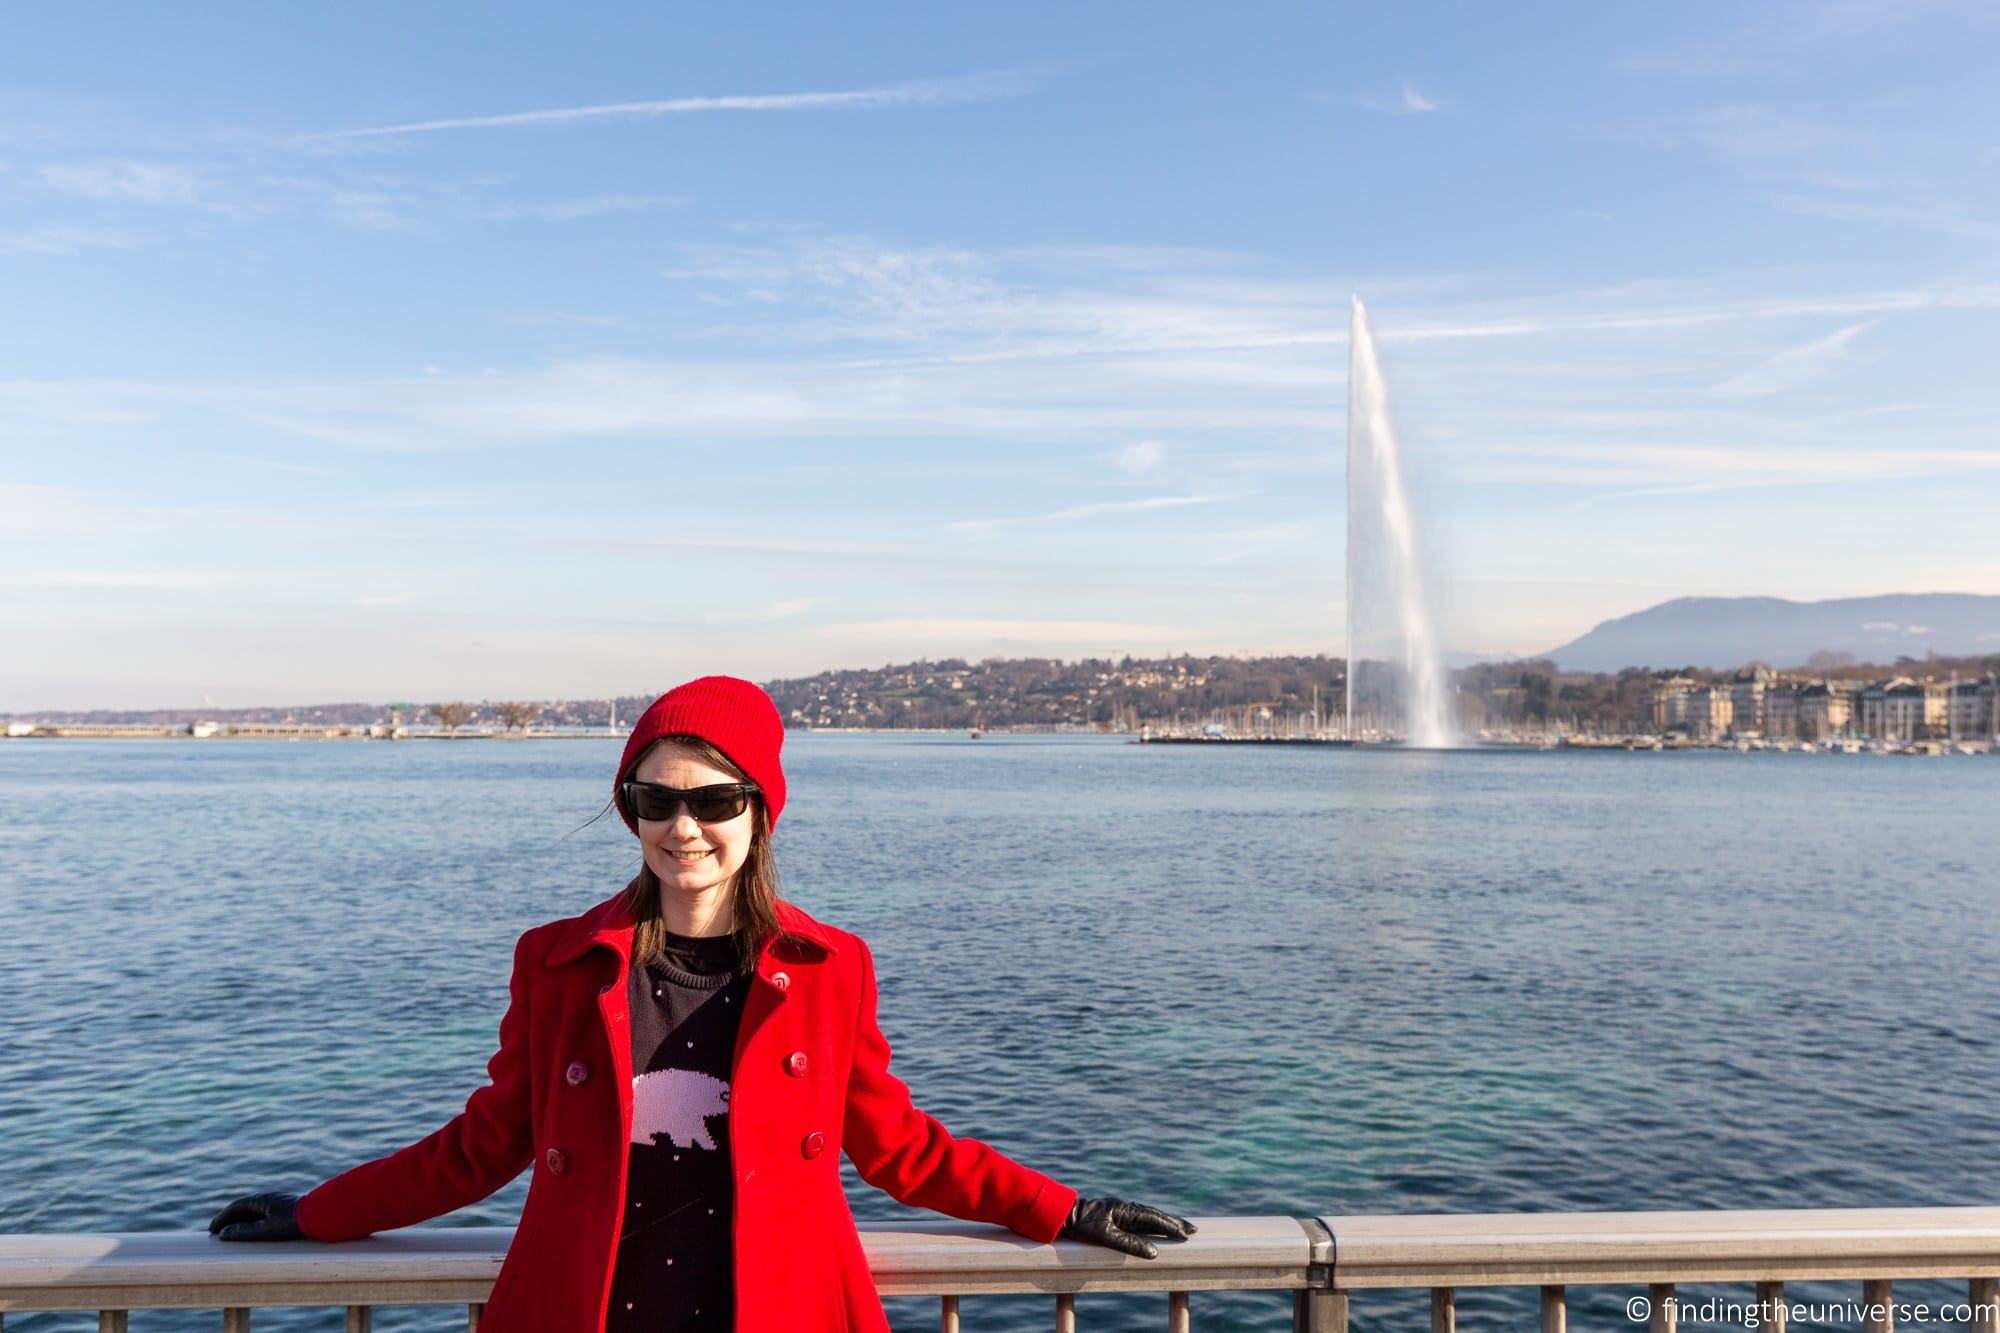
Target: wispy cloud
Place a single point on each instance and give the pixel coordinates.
(562, 319)
(1652, 471)
(32, 510)
(1265, 539)
(1901, 214)
(136, 580)
(1975, 296)
(1744, 132)
(1068, 633)
(1141, 456)
(1795, 366)
(126, 180)
(68, 238)
(1777, 39)
(1409, 102)
(923, 92)
(591, 206)
(780, 610)
(1101, 509)
(276, 465)
(1010, 356)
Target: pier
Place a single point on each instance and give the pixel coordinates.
(1321, 1265)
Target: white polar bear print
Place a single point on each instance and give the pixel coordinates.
(677, 1103)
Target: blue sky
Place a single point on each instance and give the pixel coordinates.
(387, 351)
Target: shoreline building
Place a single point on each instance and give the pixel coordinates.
(1748, 691)
(1711, 711)
(1667, 703)
(1972, 712)
(1781, 710)
(1825, 710)
(1902, 709)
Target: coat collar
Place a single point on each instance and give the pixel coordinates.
(610, 924)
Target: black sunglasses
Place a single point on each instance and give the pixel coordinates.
(708, 805)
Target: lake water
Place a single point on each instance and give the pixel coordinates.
(1222, 979)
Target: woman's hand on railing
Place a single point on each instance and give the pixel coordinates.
(1118, 1225)
(259, 1217)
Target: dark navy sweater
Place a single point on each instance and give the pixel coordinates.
(675, 1258)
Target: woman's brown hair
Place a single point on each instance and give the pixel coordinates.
(755, 892)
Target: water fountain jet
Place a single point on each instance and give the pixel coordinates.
(1384, 570)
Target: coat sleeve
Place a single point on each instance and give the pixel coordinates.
(909, 1155)
(472, 1155)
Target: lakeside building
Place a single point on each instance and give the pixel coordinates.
(1758, 703)
(1825, 710)
(1973, 709)
(1781, 710)
(1710, 712)
(1667, 702)
(1902, 709)
(1748, 693)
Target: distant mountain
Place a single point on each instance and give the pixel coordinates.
(1722, 632)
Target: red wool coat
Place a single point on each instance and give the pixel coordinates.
(560, 1100)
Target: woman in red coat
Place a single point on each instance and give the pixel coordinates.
(682, 1066)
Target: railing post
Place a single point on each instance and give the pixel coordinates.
(360, 1318)
(1318, 1310)
(473, 1314)
(1555, 1309)
(1666, 1311)
(1878, 1317)
(948, 1315)
(1984, 1294)
(111, 1321)
(1178, 1318)
(236, 1319)
(1065, 1312)
(1771, 1303)
(1444, 1310)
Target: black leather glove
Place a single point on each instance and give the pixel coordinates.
(1116, 1224)
(259, 1217)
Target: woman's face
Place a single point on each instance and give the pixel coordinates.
(686, 855)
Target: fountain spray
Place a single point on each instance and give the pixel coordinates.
(1382, 556)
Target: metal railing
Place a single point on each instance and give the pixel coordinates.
(1322, 1262)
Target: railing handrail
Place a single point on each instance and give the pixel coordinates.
(1773, 1244)
(416, 1265)
(1322, 1258)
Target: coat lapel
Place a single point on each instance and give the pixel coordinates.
(610, 926)
(776, 973)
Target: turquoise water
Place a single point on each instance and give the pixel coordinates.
(1225, 980)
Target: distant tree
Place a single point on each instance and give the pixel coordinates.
(1826, 659)
(1536, 692)
(450, 716)
(516, 716)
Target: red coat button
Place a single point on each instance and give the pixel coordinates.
(795, 1064)
(554, 1160)
(577, 1072)
(781, 980)
(815, 1141)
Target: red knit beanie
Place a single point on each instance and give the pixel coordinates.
(733, 715)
